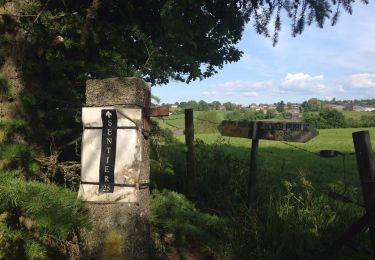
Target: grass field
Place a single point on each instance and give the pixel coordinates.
(296, 217)
(176, 121)
(279, 160)
(356, 114)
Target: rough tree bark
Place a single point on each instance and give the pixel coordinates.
(11, 69)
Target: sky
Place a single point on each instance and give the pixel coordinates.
(336, 61)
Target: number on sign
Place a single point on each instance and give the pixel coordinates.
(105, 188)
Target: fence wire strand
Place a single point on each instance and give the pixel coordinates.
(300, 148)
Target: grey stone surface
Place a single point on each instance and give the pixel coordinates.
(116, 91)
(119, 230)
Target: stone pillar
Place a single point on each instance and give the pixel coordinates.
(119, 219)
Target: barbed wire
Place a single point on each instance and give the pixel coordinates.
(172, 125)
(300, 148)
(208, 121)
(171, 119)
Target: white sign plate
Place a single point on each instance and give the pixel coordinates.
(128, 155)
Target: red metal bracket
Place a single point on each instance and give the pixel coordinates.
(158, 111)
(151, 112)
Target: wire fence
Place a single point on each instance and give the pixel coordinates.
(167, 121)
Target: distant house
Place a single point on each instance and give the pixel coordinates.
(174, 106)
(297, 116)
(253, 106)
(364, 108)
(294, 108)
(222, 108)
(348, 107)
(272, 107)
(336, 107)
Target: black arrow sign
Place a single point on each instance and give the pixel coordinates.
(108, 153)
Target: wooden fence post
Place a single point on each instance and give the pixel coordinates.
(253, 165)
(366, 170)
(115, 169)
(190, 159)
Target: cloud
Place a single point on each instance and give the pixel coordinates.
(209, 93)
(240, 88)
(363, 81)
(340, 88)
(243, 85)
(250, 94)
(240, 93)
(300, 79)
(303, 82)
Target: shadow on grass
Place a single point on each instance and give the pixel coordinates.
(292, 218)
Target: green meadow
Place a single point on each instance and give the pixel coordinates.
(279, 161)
(292, 216)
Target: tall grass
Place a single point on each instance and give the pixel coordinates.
(293, 217)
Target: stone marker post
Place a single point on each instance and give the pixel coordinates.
(115, 169)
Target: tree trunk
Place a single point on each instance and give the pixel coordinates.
(12, 53)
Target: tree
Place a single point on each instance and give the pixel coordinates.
(280, 106)
(48, 49)
(245, 114)
(215, 105)
(229, 106)
(202, 105)
(312, 105)
(327, 118)
(270, 113)
(334, 118)
(368, 120)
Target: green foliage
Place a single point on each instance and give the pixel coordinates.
(315, 120)
(368, 120)
(280, 106)
(2, 2)
(156, 40)
(206, 122)
(28, 98)
(34, 250)
(5, 89)
(270, 113)
(14, 124)
(42, 211)
(196, 106)
(199, 106)
(7, 23)
(162, 170)
(327, 118)
(229, 106)
(224, 169)
(245, 114)
(298, 220)
(173, 214)
(312, 105)
(14, 152)
(286, 115)
(335, 118)
(292, 216)
(4, 40)
(115, 42)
